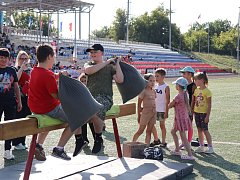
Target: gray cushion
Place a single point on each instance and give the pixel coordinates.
(77, 102)
(133, 83)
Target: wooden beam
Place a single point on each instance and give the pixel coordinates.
(23, 127)
(28, 126)
(125, 110)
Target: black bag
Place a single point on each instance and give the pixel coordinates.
(133, 83)
(195, 143)
(155, 153)
(77, 102)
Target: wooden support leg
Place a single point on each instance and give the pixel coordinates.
(117, 139)
(30, 158)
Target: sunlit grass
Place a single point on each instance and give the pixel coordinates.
(224, 127)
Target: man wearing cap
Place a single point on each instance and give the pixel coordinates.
(9, 93)
(100, 75)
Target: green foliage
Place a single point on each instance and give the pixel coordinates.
(195, 39)
(154, 28)
(222, 37)
(225, 43)
(228, 63)
(22, 20)
(119, 27)
(151, 28)
(104, 32)
(28, 20)
(218, 26)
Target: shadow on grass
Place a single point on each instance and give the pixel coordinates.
(219, 161)
(20, 156)
(207, 172)
(88, 151)
(110, 137)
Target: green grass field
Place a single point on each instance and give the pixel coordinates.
(224, 127)
(228, 63)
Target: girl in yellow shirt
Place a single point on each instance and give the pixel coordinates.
(201, 104)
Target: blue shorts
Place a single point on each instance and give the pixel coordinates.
(199, 119)
(58, 113)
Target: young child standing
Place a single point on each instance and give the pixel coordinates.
(182, 121)
(201, 104)
(9, 93)
(188, 73)
(162, 101)
(147, 113)
(43, 99)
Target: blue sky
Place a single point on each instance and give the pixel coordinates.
(185, 12)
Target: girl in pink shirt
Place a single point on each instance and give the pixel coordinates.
(182, 122)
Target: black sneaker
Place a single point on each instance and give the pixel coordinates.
(154, 143)
(80, 144)
(97, 146)
(86, 139)
(60, 154)
(104, 127)
(163, 145)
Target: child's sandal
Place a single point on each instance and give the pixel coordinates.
(175, 153)
(187, 157)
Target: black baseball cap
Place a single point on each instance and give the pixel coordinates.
(4, 52)
(96, 47)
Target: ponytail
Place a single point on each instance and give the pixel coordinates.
(205, 78)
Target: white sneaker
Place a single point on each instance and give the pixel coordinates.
(200, 149)
(8, 155)
(209, 150)
(25, 146)
(20, 147)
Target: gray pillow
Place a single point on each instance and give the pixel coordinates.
(77, 102)
(133, 83)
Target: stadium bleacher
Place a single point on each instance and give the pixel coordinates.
(146, 57)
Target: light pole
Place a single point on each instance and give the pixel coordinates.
(127, 38)
(208, 40)
(199, 44)
(238, 39)
(170, 26)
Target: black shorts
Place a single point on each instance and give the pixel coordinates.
(199, 119)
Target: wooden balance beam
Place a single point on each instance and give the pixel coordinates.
(29, 126)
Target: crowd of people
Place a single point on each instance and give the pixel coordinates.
(24, 90)
(27, 89)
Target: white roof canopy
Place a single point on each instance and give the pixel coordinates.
(46, 6)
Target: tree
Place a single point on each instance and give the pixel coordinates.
(154, 28)
(225, 43)
(104, 32)
(119, 27)
(28, 20)
(195, 40)
(219, 26)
